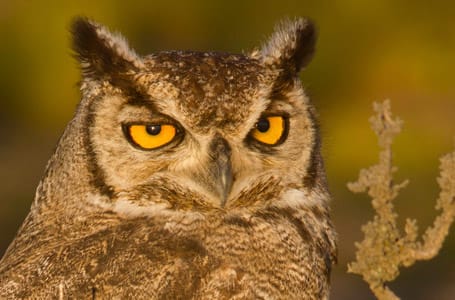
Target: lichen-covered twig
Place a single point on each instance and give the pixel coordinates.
(385, 247)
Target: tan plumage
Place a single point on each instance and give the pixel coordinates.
(212, 214)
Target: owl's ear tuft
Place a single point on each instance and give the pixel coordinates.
(100, 52)
(291, 46)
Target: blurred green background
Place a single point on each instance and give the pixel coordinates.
(367, 51)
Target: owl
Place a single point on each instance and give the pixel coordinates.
(182, 175)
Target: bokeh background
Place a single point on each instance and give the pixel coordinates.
(367, 51)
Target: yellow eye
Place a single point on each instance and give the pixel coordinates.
(269, 130)
(150, 136)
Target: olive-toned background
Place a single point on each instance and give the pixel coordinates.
(367, 51)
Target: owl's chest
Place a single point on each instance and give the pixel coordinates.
(183, 260)
(277, 257)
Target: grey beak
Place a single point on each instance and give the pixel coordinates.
(220, 168)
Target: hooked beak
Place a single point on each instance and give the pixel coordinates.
(220, 169)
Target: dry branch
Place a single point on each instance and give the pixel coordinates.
(385, 247)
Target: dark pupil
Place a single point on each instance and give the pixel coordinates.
(263, 125)
(153, 129)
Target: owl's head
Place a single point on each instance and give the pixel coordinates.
(199, 131)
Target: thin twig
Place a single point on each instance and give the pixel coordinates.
(385, 248)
